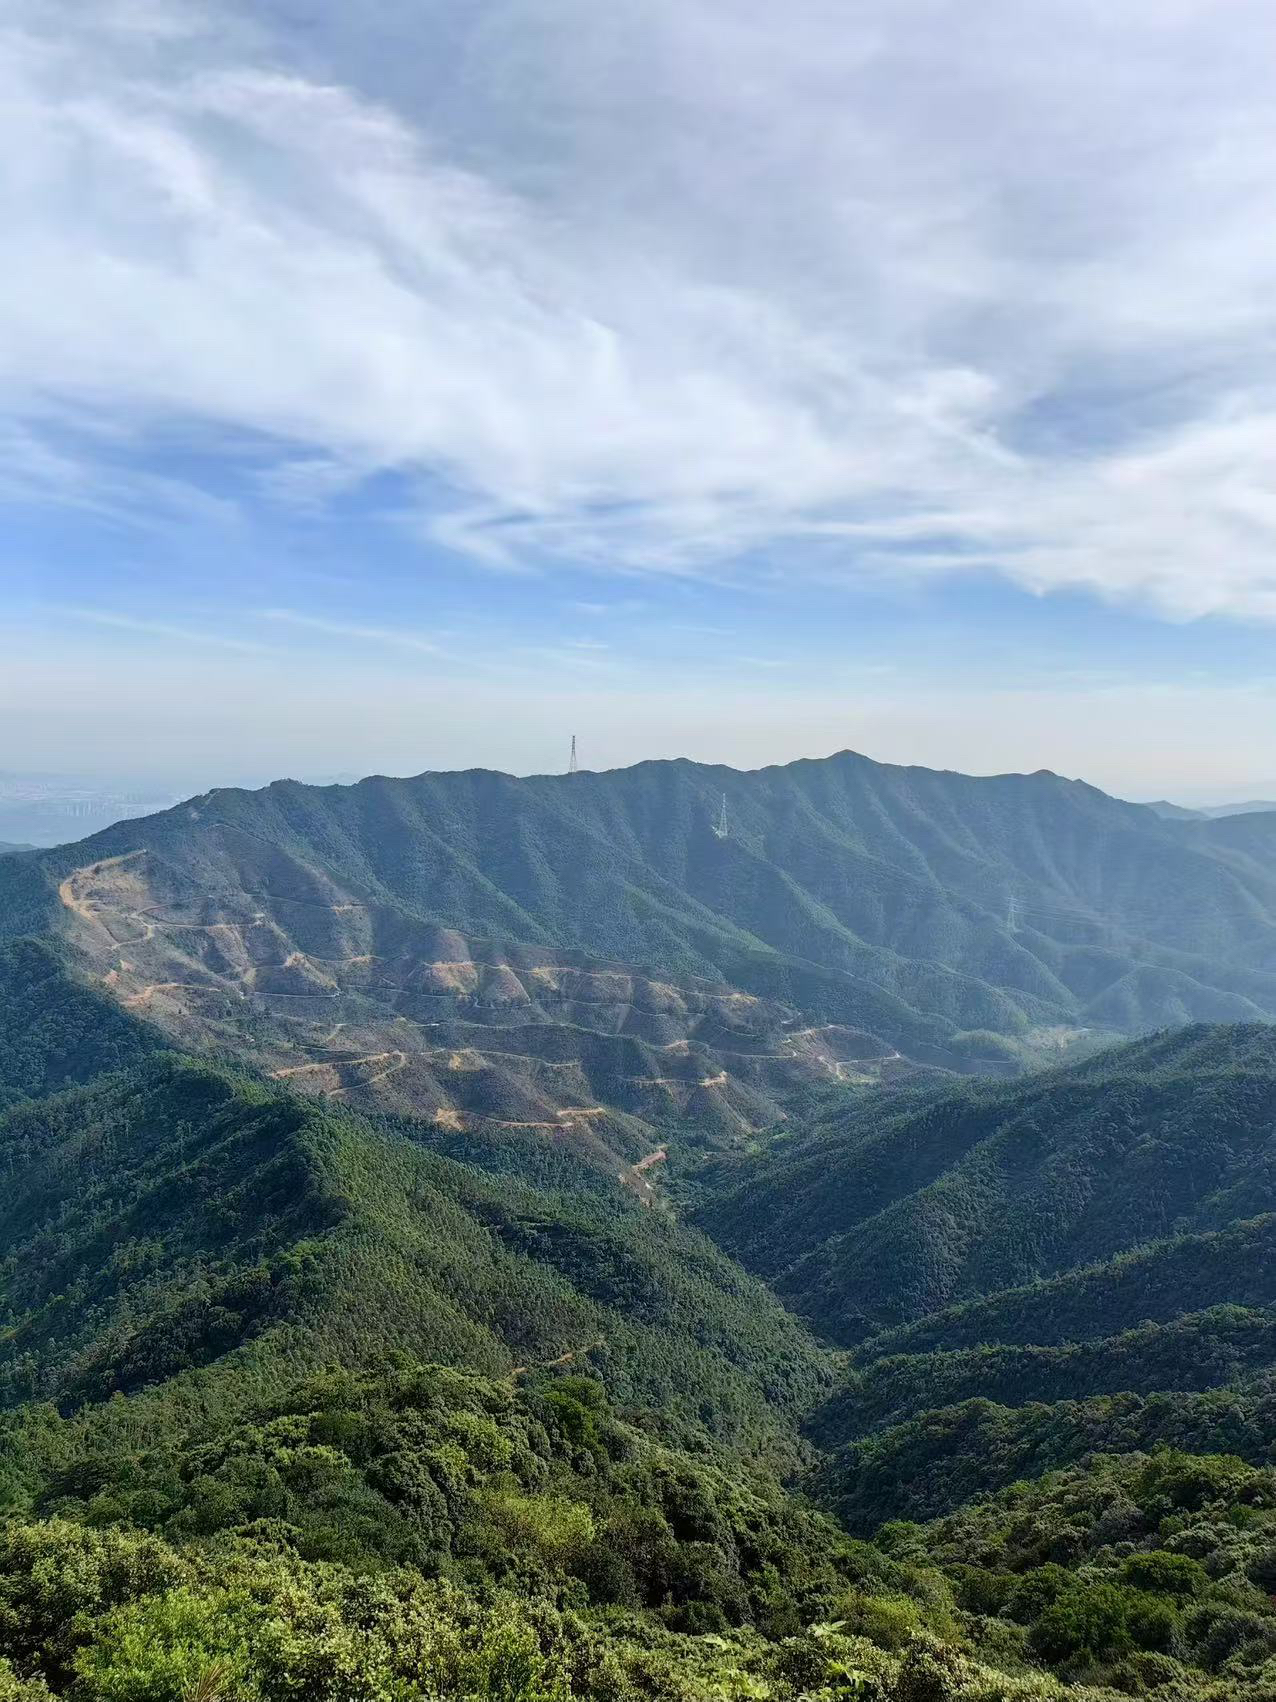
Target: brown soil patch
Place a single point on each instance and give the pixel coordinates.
(71, 890)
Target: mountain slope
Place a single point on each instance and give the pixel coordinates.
(55, 1029)
(585, 959)
(258, 1479)
(292, 1404)
(882, 1215)
(1029, 1272)
(163, 1217)
(332, 1416)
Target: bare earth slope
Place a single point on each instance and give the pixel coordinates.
(354, 1000)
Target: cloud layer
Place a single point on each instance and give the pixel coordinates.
(686, 286)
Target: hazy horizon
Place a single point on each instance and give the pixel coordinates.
(151, 791)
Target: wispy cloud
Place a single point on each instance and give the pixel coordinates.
(621, 608)
(353, 631)
(686, 288)
(172, 634)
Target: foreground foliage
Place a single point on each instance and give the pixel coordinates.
(296, 1409)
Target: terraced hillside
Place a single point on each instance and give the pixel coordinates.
(351, 999)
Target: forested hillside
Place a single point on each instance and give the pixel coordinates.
(56, 1030)
(1028, 1273)
(295, 1406)
(169, 1214)
(886, 1213)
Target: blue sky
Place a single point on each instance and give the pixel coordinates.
(413, 389)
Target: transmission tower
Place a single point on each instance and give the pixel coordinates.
(1012, 915)
(720, 826)
(573, 767)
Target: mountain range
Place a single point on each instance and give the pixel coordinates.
(586, 957)
(1209, 812)
(513, 1240)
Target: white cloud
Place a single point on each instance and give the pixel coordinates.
(352, 631)
(661, 286)
(165, 630)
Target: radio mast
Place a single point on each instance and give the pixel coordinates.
(572, 766)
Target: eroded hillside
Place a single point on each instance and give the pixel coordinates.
(346, 998)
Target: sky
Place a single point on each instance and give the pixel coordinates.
(412, 385)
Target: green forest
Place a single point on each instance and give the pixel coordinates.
(940, 1388)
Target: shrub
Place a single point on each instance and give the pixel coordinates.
(179, 1644)
(1165, 1574)
(1086, 1622)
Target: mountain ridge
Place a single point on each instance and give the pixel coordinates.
(786, 824)
(587, 957)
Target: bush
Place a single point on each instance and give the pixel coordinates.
(1152, 1624)
(57, 1578)
(981, 1591)
(1172, 1481)
(1035, 1592)
(891, 1622)
(1086, 1622)
(1164, 1574)
(180, 1644)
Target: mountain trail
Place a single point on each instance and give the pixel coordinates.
(567, 1358)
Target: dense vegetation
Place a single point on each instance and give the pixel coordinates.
(166, 1215)
(1152, 1573)
(55, 1031)
(1028, 1273)
(1029, 1198)
(301, 1403)
(299, 1408)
